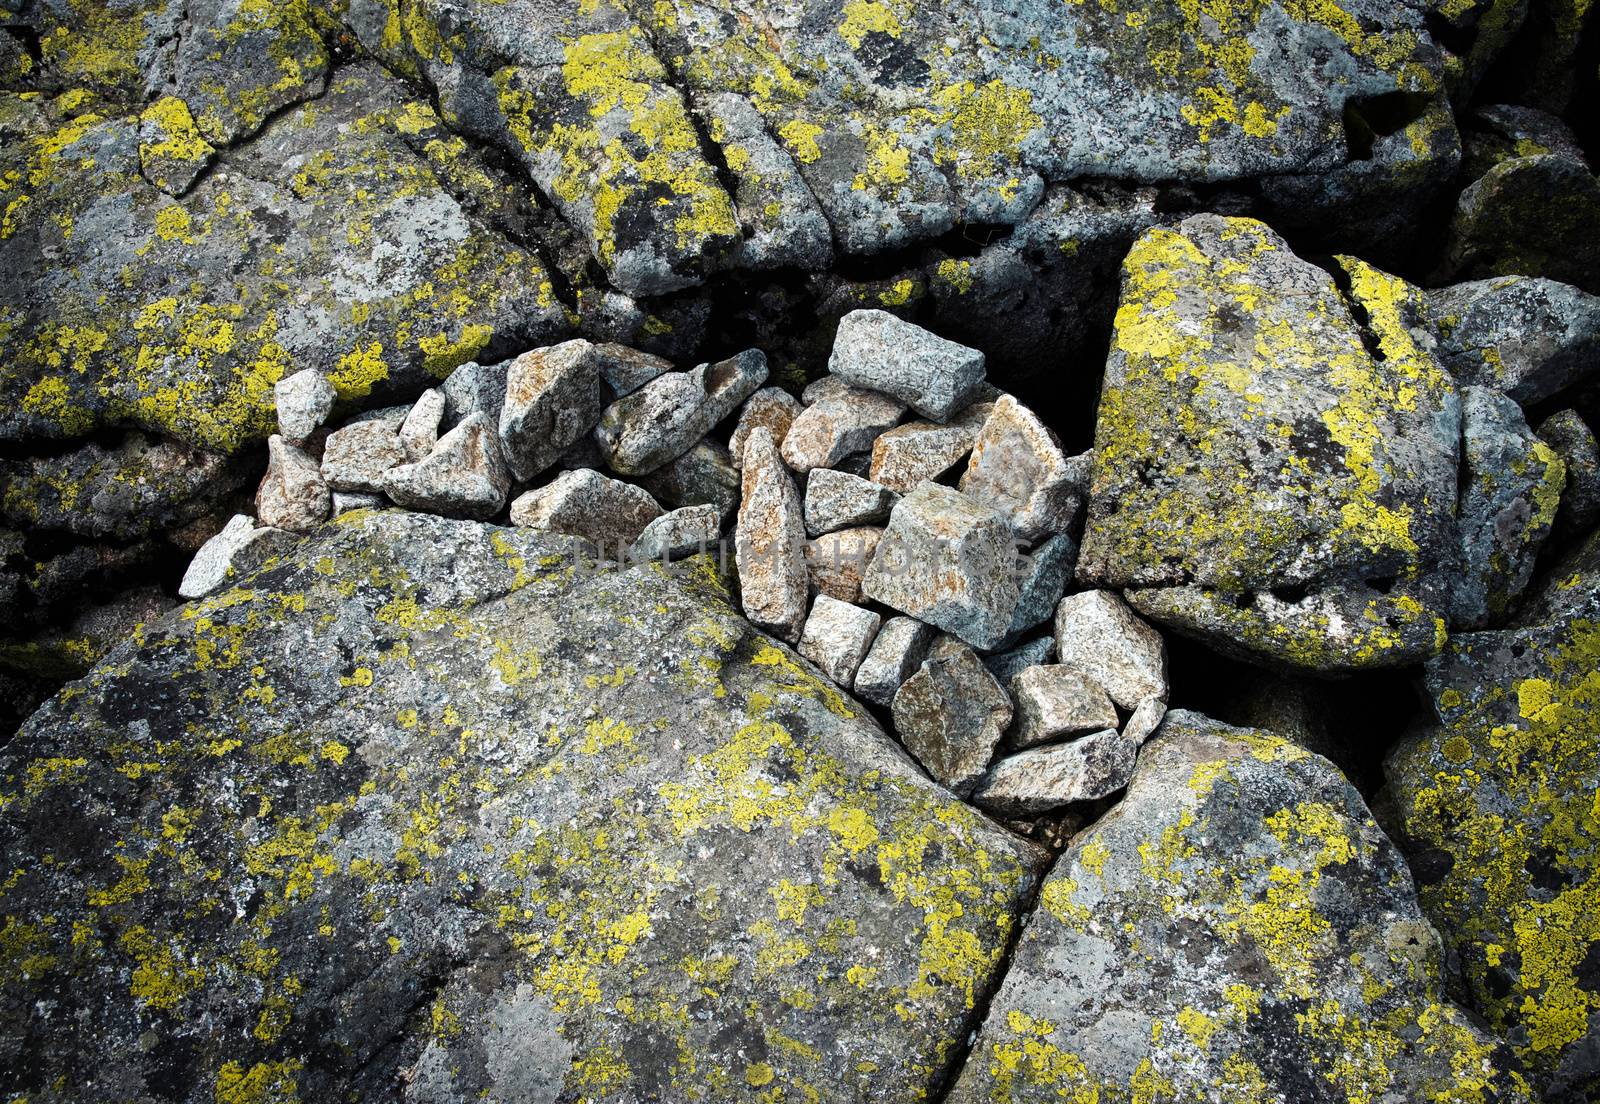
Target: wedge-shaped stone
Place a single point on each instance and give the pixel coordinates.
(1097, 634)
(685, 532)
(667, 416)
(553, 399)
(772, 407)
(842, 420)
(584, 503)
(1018, 467)
(359, 457)
(292, 494)
(897, 652)
(838, 562)
(921, 451)
(1043, 779)
(839, 500)
(241, 546)
(935, 377)
(837, 637)
(770, 542)
(464, 476)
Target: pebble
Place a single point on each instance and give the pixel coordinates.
(838, 500)
(304, 401)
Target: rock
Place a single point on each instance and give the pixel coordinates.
(1006, 666)
(345, 502)
(474, 388)
(1098, 634)
(1530, 338)
(897, 651)
(172, 153)
(626, 370)
(1255, 471)
(1043, 779)
(1043, 577)
(1492, 805)
(360, 456)
(1018, 468)
(420, 431)
(553, 398)
(678, 535)
(770, 542)
(949, 561)
(1530, 216)
(1238, 920)
(464, 476)
(292, 494)
(1503, 132)
(841, 421)
(239, 549)
(583, 503)
(919, 452)
(706, 475)
(838, 562)
(1570, 438)
(1512, 484)
(68, 652)
(1144, 721)
(534, 812)
(304, 401)
(837, 638)
(1056, 701)
(838, 500)
(877, 351)
(666, 418)
(951, 715)
(771, 407)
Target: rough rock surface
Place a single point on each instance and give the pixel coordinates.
(706, 475)
(839, 500)
(1097, 634)
(425, 809)
(837, 637)
(1530, 338)
(553, 399)
(584, 503)
(1042, 581)
(237, 550)
(1018, 468)
(897, 652)
(419, 433)
(665, 418)
(1043, 779)
(770, 542)
(921, 451)
(464, 476)
(951, 715)
(838, 562)
(1055, 701)
(880, 352)
(1530, 216)
(1237, 928)
(304, 401)
(359, 456)
(772, 408)
(292, 494)
(1570, 438)
(838, 421)
(685, 532)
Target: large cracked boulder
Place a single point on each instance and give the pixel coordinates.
(1238, 928)
(1496, 807)
(432, 809)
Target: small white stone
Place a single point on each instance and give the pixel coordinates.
(837, 637)
(240, 545)
(304, 401)
(1098, 634)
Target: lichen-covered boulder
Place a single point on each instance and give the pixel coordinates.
(1238, 928)
(1261, 478)
(1529, 216)
(1496, 808)
(1531, 338)
(434, 808)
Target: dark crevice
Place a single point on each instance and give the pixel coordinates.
(1367, 120)
(28, 38)
(1358, 310)
(1457, 39)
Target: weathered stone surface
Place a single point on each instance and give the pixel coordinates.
(464, 476)
(839, 500)
(1570, 438)
(419, 433)
(360, 456)
(1098, 634)
(553, 398)
(667, 416)
(1055, 701)
(897, 651)
(1494, 806)
(475, 387)
(841, 420)
(949, 561)
(172, 152)
(1143, 722)
(292, 494)
(1248, 443)
(770, 542)
(1512, 484)
(1530, 216)
(837, 638)
(476, 788)
(935, 377)
(1530, 338)
(1042, 579)
(706, 475)
(682, 533)
(625, 370)
(304, 401)
(838, 562)
(1237, 925)
(1006, 666)
(1043, 779)
(772, 407)
(69, 651)
(951, 715)
(584, 503)
(920, 451)
(1018, 467)
(239, 549)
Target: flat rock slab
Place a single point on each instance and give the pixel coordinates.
(432, 802)
(935, 377)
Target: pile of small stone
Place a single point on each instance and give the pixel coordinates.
(905, 524)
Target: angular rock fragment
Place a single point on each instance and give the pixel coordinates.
(772, 407)
(685, 532)
(464, 476)
(292, 494)
(878, 351)
(1043, 779)
(1098, 634)
(420, 431)
(838, 562)
(360, 456)
(841, 421)
(918, 452)
(951, 715)
(475, 387)
(345, 502)
(553, 398)
(304, 401)
(1144, 721)
(667, 416)
(837, 638)
(949, 561)
(770, 542)
(897, 651)
(1018, 468)
(1006, 666)
(838, 500)
(1570, 438)
(232, 553)
(1530, 216)
(625, 370)
(1055, 701)
(583, 503)
(1531, 338)
(1043, 576)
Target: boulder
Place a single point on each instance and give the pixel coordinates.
(292, 494)
(1055, 701)
(1570, 438)
(553, 399)
(880, 352)
(1529, 216)
(360, 456)
(475, 387)
(951, 715)
(837, 637)
(841, 420)
(770, 542)
(1531, 338)
(897, 652)
(304, 401)
(1018, 468)
(1099, 636)
(665, 418)
(1044, 779)
(464, 476)
(839, 500)
(583, 503)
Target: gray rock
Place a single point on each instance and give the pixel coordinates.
(918, 452)
(706, 475)
(1570, 438)
(420, 431)
(626, 370)
(292, 494)
(949, 561)
(583, 503)
(897, 651)
(1043, 576)
(838, 500)
(837, 638)
(1099, 635)
(1144, 721)
(772, 407)
(232, 553)
(838, 562)
(360, 456)
(840, 421)
(1018, 467)
(1043, 779)
(1238, 920)
(1055, 701)
(464, 476)
(1531, 338)
(553, 398)
(1529, 216)
(1006, 666)
(678, 535)
(1502, 132)
(951, 714)
(474, 388)
(304, 401)
(878, 351)
(345, 502)
(531, 816)
(770, 542)
(667, 417)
